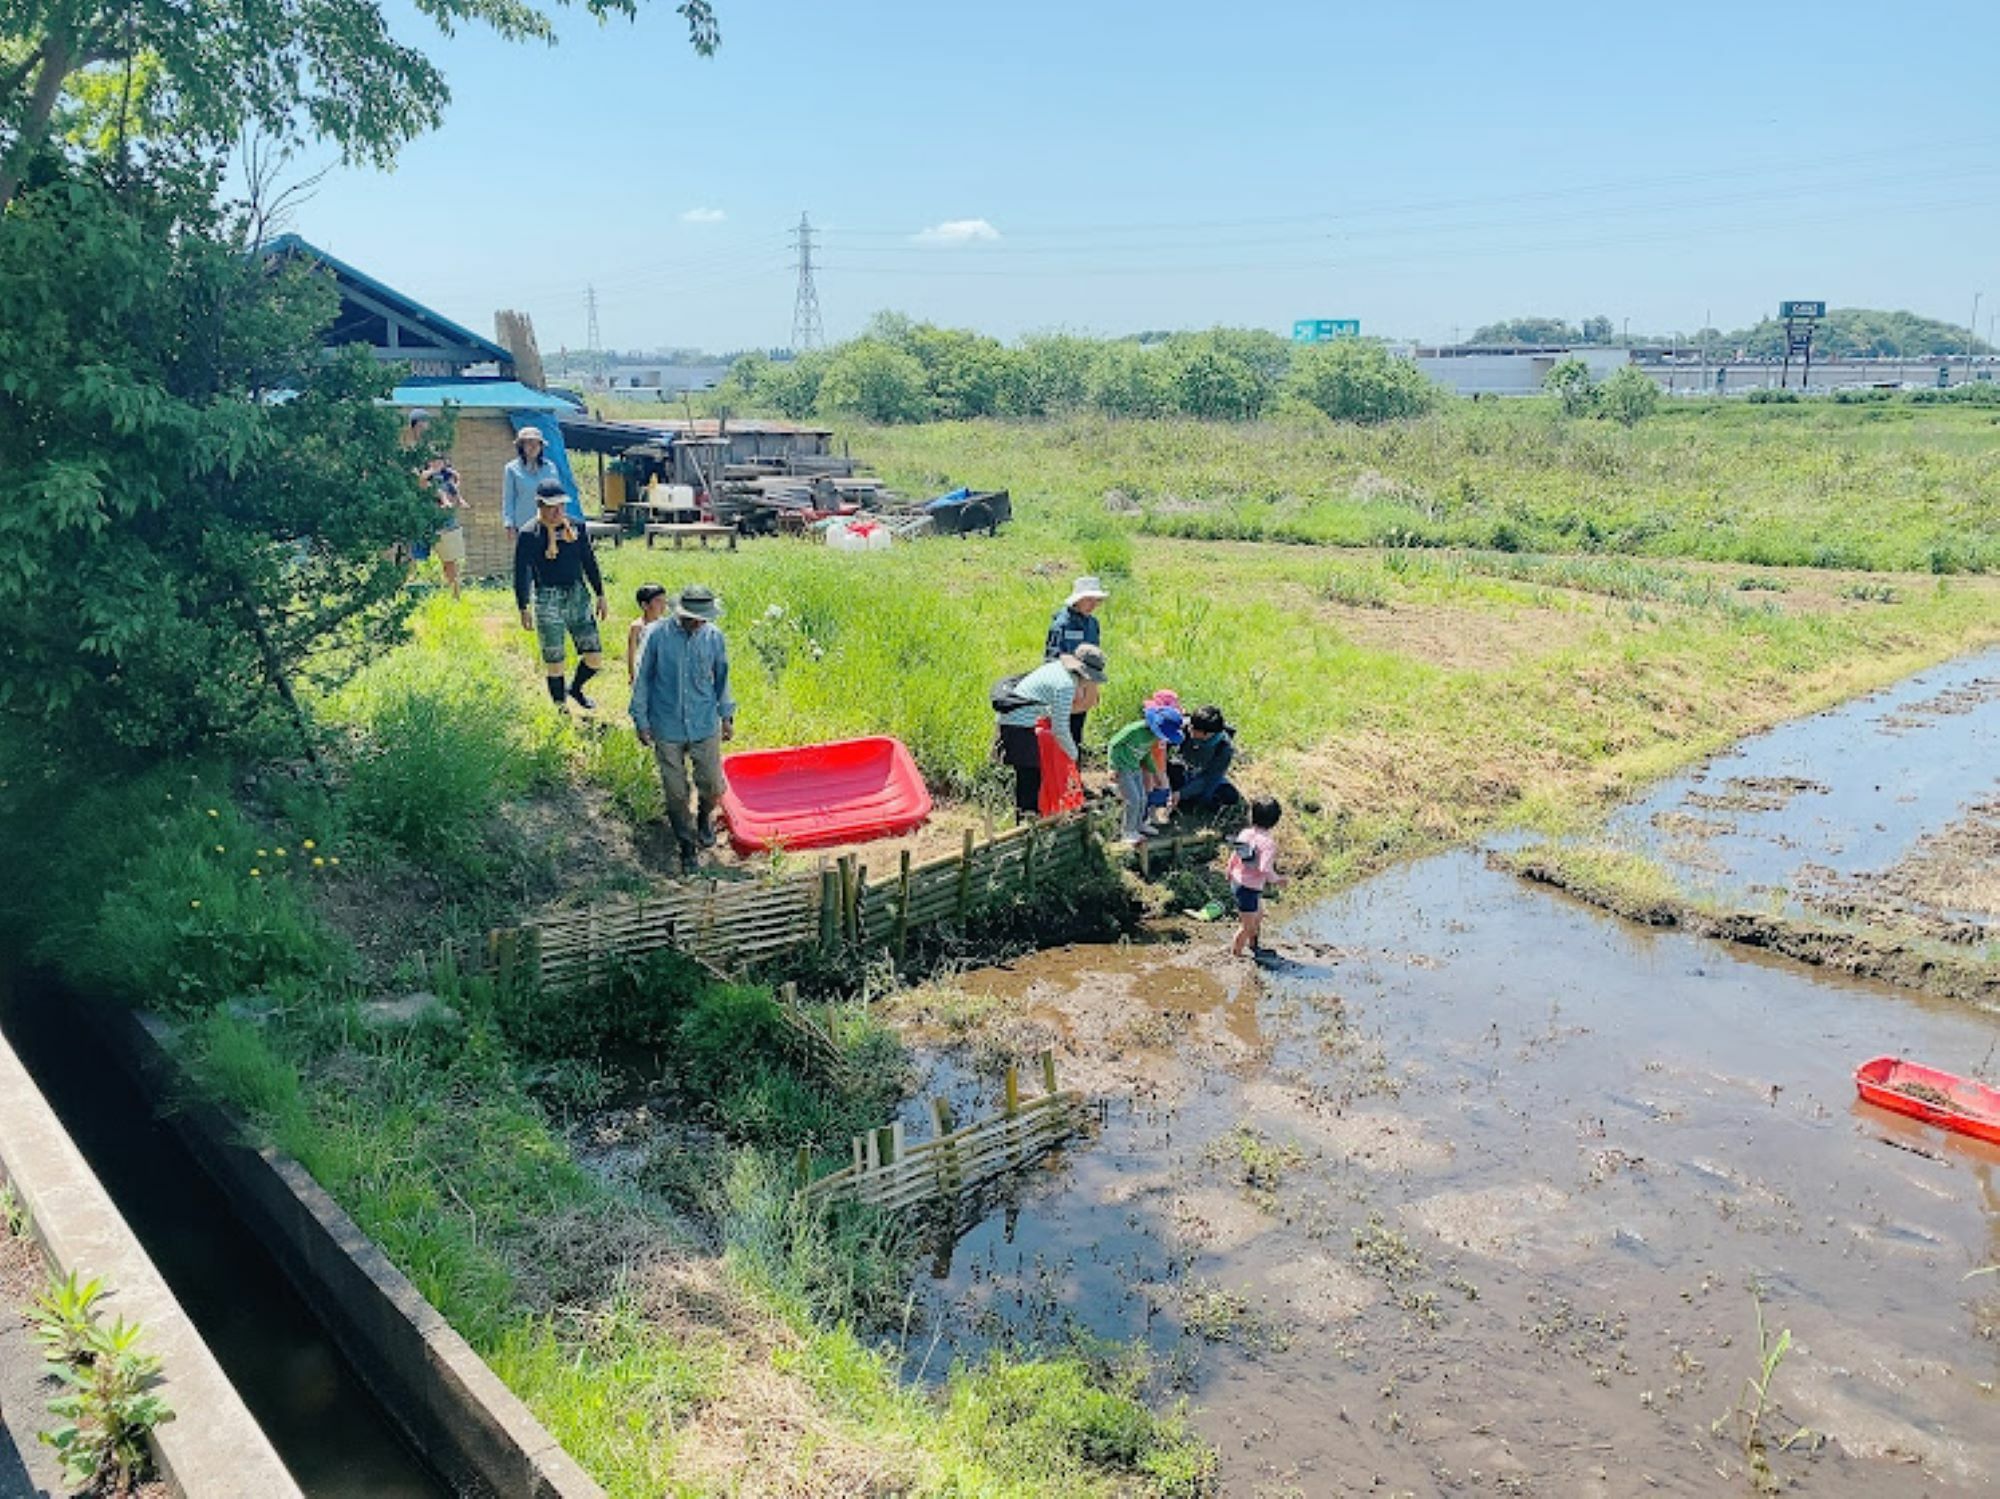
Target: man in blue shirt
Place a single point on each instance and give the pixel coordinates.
(682, 709)
(1076, 624)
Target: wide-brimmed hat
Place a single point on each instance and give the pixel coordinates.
(419, 417)
(1086, 661)
(1167, 724)
(522, 434)
(698, 603)
(1086, 587)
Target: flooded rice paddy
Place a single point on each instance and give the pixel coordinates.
(1476, 1189)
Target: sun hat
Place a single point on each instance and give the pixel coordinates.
(1167, 724)
(698, 602)
(522, 434)
(1087, 587)
(1166, 697)
(1086, 661)
(419, 416)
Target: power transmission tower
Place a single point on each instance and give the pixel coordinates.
(590, 340)
(806, 330)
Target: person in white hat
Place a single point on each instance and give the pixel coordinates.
(526, 472)
(1076, 624)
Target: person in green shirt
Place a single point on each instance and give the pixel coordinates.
(1131, 758)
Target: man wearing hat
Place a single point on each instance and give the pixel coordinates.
(526, 472)
(560, 592)
(1050, 691)
(1076, 624)
(682, 709)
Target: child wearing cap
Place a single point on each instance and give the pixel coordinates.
(652, 601)
(1131, 755)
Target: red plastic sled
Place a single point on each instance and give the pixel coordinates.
(1062, 787)
(1969, 1108)
(820, 794)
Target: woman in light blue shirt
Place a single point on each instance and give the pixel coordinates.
(524, 475)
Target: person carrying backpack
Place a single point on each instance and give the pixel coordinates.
(1052, 691)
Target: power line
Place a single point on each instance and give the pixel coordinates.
(806, 330)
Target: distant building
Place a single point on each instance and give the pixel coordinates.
(1508, 369)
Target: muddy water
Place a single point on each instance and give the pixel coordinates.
(1479, 1190)
(1849, 790)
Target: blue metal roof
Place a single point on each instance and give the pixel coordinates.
(506, 395)
(292, 244)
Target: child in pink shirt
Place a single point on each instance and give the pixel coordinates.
(1253, 869)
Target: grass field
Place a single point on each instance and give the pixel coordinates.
(1814, 484)
(1604, 613)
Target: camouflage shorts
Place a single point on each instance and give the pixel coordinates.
(560, 611)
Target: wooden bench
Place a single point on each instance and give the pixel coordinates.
(705, 531)
(599, 529)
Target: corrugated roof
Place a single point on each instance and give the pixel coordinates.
(292, 244)
(506, 395)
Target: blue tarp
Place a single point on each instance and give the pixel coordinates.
(523, 404)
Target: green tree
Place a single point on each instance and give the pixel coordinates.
(968, 374)
(1570, 383)
(1127, 378)
(1360, 381)
(875, 381)
(294, 69)
(200, 505)
(1629, 395)
(1209, 383)
(1528, 330)
(1052, 374)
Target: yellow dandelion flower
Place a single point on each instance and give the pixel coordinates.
(194, 905)
(279, 852)
(256, 874)
(263, 853)
(319, 863)
(333, 861)
(309, 845)
(213, 813)
(220, 849)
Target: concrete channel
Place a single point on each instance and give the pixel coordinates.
(357, 1383)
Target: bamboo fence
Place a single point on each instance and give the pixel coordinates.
(733, 925)
(888, 1173)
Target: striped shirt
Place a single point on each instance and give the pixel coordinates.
(1050, 691)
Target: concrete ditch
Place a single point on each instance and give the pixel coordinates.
(468, 1426)
(213, 1448)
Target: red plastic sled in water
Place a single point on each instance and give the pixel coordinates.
(820, 794)
(1062, 787)
(1940, 1098)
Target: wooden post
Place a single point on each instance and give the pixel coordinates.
(1010, 1106)
(903, 908)
(855, 928)
(1145, 858)
(829, 909)
(847, 896)
(788, 995)
(965, 879)
(1028, 861)
(1049, 1071)
(804, 1166)
(885, 1144)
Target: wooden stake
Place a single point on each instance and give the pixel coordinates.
(829, 909)
(1049, 1071)
(903, 908)
(1028, 862)
(965, 880)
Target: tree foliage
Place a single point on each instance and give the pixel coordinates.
(1545, 330)
(1356, 381)
(198, 504)
(1858, 332)
(875, 381)
(294, 69)
(1571, 383)
(1628, 395)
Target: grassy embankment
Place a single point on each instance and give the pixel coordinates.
(677, 1322)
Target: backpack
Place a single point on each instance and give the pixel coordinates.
(1006, 695)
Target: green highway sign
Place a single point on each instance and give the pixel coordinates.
(1319, 330)
(1801, 309)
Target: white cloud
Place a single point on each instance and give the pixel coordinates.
(703, 216)
(957, 232)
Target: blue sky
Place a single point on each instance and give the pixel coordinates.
(1107, 166)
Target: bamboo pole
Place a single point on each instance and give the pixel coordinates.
(903, 909)
(965, 879)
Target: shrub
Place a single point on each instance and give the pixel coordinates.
(1772, 395)
(1571, 384)
(876, 382)
(1106, 546)
(1354, 381)
(1629, 396)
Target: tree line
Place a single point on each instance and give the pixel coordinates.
(899, 370)
(1845, 333)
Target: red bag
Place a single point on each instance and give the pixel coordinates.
(1062, 787)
